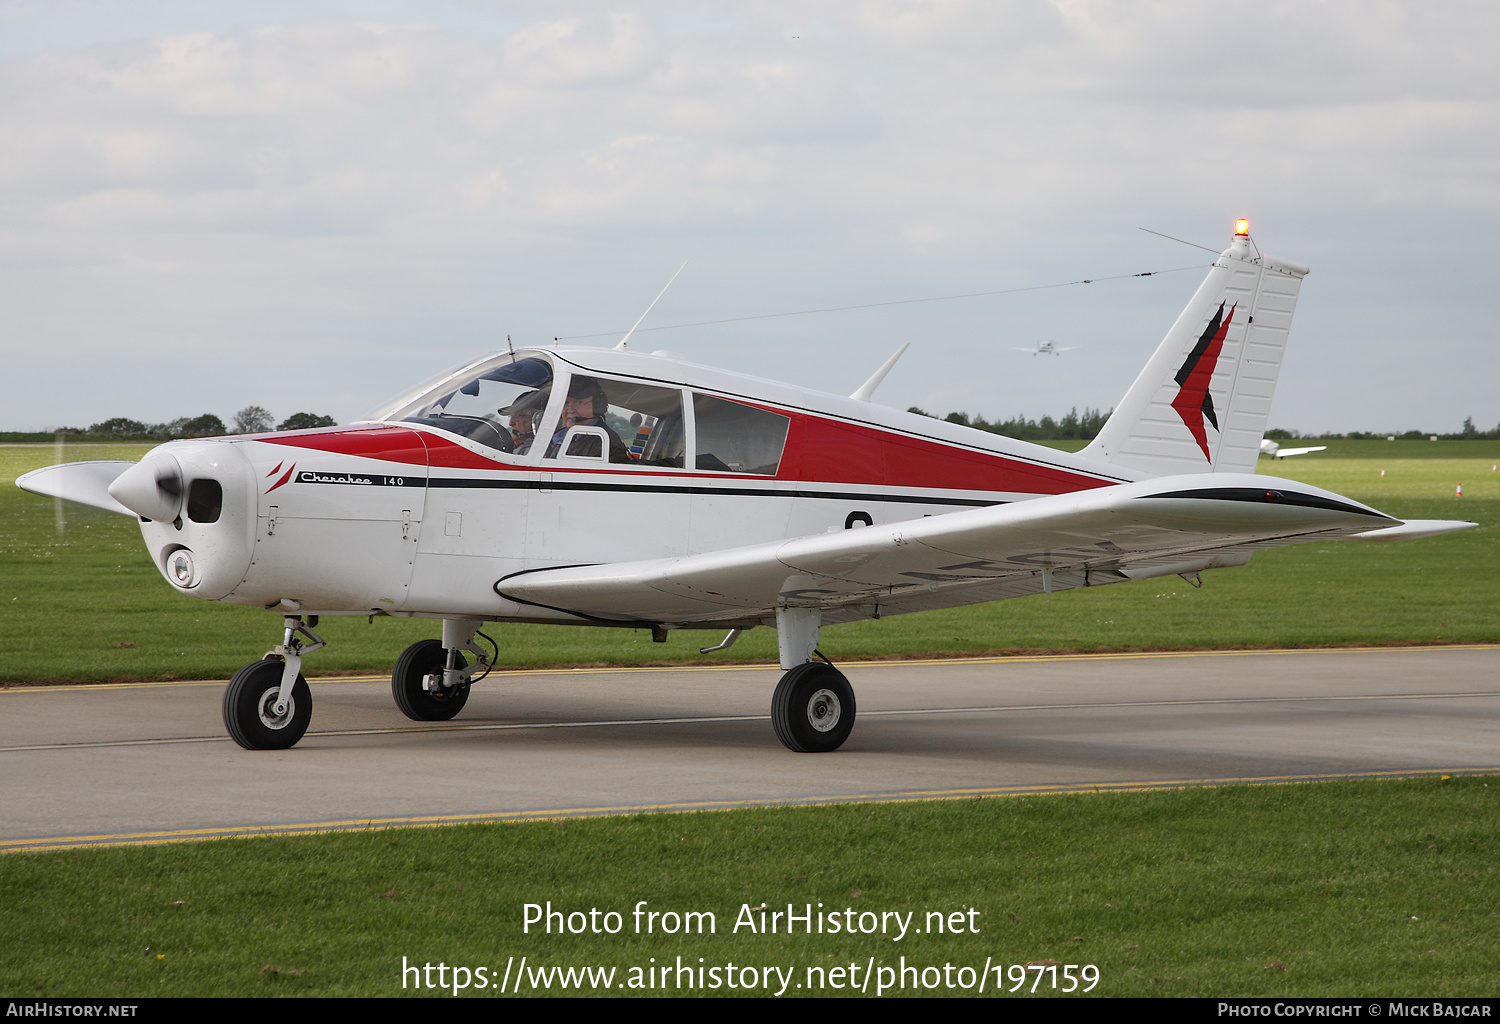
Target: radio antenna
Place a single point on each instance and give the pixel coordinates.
(622, 346)
(1184, 241)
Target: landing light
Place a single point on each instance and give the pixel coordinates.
(181, 567)
(1242, 226)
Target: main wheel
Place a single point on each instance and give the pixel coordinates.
(812, 710)
(421, 659)
(250, 708)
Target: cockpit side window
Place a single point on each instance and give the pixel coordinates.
(735, 438)
(497, 405)
(642, 422)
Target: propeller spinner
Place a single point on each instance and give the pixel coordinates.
(151, 489)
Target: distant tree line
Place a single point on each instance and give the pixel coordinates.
(1072, 427)
(253, 419)
(1075, 426)
(1468, 432)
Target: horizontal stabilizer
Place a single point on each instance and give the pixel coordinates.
(87, 483)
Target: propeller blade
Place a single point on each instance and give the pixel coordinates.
(87, 483)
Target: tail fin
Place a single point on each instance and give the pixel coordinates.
(1203, 400)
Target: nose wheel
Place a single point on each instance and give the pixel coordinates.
(267, 705)
(257, 716)
(812, 709)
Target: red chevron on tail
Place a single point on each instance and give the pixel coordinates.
(1193, 402)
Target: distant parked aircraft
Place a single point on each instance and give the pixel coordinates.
(1271, 448)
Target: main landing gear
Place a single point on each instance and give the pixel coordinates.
(267, 705)
(812, 709)
(432, 677)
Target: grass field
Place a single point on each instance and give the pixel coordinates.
(85, 604)
(1345, 888)
(1348, 888)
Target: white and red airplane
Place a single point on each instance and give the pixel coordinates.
(1044, 348)
(608, 487)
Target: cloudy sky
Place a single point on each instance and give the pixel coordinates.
(308, 206)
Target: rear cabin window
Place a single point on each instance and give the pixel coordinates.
(735, 438)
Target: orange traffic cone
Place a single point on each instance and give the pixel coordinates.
(1382, 474)
(1460, 492)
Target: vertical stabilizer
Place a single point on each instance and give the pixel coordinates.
(1204, 398)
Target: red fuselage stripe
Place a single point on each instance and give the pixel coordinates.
(817, 449)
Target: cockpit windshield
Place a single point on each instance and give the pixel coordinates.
(496, 403)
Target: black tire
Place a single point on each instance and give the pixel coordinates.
(248, 703)
(420, 659)
(812, 710)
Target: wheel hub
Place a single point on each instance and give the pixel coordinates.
(823, 710)
(433, 684)
(270, 717)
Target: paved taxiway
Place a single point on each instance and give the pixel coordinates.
(151, 762)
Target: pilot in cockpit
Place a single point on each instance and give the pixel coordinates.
(523, 413)
(586, 406)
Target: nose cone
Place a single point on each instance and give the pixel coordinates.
(152, 488)
(199, 502)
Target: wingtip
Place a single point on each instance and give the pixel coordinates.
(1412, 529)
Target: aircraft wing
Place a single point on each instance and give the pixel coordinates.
(1088, 538)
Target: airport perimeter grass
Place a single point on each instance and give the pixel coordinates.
(85, 604)
(1374, 888)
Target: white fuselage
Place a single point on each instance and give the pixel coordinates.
(402, 516)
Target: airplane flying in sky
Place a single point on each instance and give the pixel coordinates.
(609, 487)
(1045, 348)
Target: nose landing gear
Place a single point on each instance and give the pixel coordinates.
(251, 707)
(267, 704)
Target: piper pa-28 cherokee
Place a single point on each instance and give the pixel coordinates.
(608, 487)
(1044, 348)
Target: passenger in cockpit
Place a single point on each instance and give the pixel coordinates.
(586, 406)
